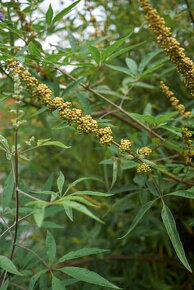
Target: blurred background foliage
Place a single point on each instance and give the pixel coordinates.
(145, 259)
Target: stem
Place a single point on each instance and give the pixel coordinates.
(13, 225)
(111, 103)
(28, 195)
(189, 10)
(29, 250)
(16, 194)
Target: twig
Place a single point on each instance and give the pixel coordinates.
(13, 225)
(190, 13)
(111, 103)
(28, 195)
(35, 254)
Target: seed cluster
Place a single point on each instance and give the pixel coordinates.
(143, 168)
(170, 45)
(188, 152)
(125, 145)
(105, 135)
(145, 151)
(86, 124)
(174, 101)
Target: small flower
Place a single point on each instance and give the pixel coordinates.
(145, 151)
(125, 145)
(143, 168)
(105, 135)
(1, 16)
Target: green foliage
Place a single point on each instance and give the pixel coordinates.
(70, 206)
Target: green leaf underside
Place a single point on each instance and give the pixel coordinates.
(173, 234)
(87, 276)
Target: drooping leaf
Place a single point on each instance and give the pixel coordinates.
(81, 253)
(87, 276)
(173, 234)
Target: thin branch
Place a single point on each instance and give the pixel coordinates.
(13, 225)
(28, 195)
(35, 254)
(189, 10)
(110, 102)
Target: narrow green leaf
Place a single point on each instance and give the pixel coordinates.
(79, 207)
(165, 117)
(60, 182)
(87, 276)
(80, 199)
(69, 212)
(173, 234)
(95, 193)
(8, 190)
(120, 69)
(124, 50)
(94, 53)
(57, 284)
(35, 278)
(5, 285)
(72, 40)
(114, 173)
(33, 49)
(110, 49)
(182, 193)
(51, 225)
(131, 65)
(4, 142)
(49, 15)
(142, 211)
(52, 143)
(81, 253)
(39, 211)
(62, 13)
(80, 180)
(50, 247)
(147, 59)
(7, 265)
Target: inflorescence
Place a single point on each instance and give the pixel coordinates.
(170, 45)
(85, 123)
(174, 101)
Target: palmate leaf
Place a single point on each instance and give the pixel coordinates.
(173, 234)
(142, 211)
(87, 276)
